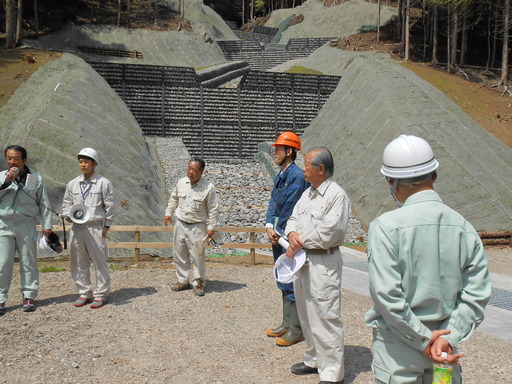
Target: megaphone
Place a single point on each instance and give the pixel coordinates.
(79, 213)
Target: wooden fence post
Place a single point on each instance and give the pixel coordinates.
(137, 250)
(253, 250)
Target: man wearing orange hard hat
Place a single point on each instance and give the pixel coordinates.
(288, 187)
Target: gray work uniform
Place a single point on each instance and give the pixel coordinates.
(19, 209)
(428, 270)
(86, 240)
(196, 208)
(321, 218)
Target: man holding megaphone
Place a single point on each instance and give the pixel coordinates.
(89, 204)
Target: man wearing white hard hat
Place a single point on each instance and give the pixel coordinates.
(317, 225)
(429, 278)
(23, 199)
(89, 204)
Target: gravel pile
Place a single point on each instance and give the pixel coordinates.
(244, 189)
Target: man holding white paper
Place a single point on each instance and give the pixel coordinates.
(317, 225)
(22, 199)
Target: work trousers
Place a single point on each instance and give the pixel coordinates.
(21, 237)
(189, 252)
(394, 362)
(86, 244)
(286, 288)
(318, 297)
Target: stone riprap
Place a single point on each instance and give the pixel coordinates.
(244, 190)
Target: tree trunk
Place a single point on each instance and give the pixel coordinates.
(118, 13)
(243, 12)
(401, 22)
(252, 10)
(455, 35)
(10, 24)
(36, 18)
(464, 43)
(182, 9)
(407, 31)
(128, 6)
(435, 41)
(378, 22)
(489, 34)
(448, 40)
(19, 21)
(505, 53)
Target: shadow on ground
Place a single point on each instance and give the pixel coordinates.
(223, 286)
(357, 360)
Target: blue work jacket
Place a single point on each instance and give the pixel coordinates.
(288, 188)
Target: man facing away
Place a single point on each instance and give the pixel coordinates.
(429, 278)
(22, 199)
(318, 225)
(88, 239)
(289, 185)
(194, 201)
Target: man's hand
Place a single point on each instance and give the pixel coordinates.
(168, 220)
(296, 244)
(210, 233)
(12, 173)
(104, 232)
(435, 335)
(272, 236)
(47, 232)
(68, 219)
(441, 345)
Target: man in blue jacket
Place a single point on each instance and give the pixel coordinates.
(288, 187)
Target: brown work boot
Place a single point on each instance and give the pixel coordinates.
(180, 287)
(198, 290)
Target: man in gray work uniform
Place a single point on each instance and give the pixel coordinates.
(318, 225)
(194, 201)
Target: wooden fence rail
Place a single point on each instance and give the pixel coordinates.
(137, 245)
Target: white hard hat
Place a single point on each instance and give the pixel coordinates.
(50, 244)
(286, 268)
(407, 157)
(89, 152)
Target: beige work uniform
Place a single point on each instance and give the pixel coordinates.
(320, 217)
(196, 208)
(86, 240)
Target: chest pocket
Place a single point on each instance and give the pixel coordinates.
(94, 198)
(197, 200)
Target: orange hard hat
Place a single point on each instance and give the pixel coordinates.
(289, 139)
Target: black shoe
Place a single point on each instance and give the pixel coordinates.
(303, 369)
(28, 305)
(2, 309)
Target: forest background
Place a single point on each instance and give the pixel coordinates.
(455, 34)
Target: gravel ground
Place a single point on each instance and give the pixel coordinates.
(149, 334)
